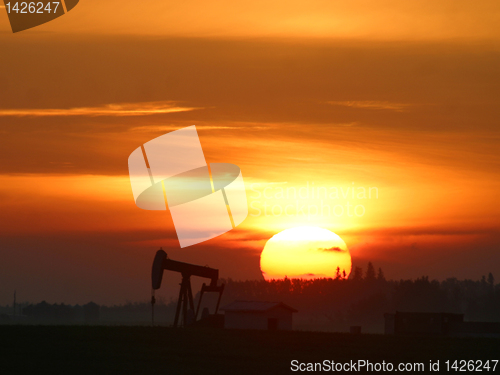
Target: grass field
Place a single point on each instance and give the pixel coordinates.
(159, 350)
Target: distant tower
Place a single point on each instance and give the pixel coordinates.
(14, 304)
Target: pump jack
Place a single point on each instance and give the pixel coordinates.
(162, 262)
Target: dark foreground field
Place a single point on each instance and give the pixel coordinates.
(146, 350)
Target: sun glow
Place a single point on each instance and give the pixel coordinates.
(306, 253)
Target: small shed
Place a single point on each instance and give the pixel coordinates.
(258, 315)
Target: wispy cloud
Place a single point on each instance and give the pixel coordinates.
(336, 248)
(150, 128)
(372, 104)
(121, 109)
(202, 125)
(429, 231)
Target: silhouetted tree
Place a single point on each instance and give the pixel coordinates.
(370, 272)
(357, 274)
(491, 279)
(380, 275)
(338, 276)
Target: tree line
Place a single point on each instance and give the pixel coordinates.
(332, 304)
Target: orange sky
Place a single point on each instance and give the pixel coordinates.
(400, 97)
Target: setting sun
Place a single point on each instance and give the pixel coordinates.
(305, 253)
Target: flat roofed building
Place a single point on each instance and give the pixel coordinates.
(417, 323)
(440, 324)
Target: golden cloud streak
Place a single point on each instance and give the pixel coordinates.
(372, 104)
(174, 127)
(123, 109)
